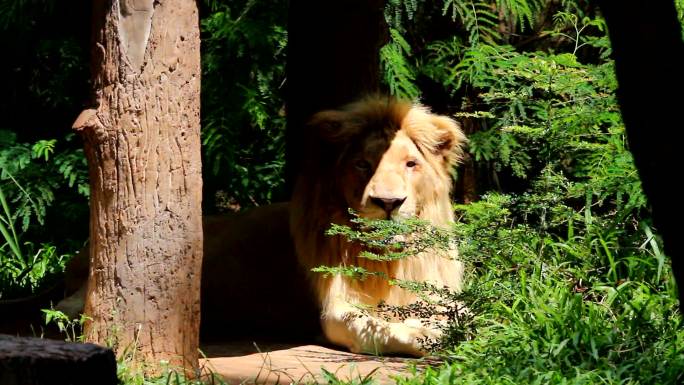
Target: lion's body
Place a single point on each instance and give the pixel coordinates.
(248, 261)
(384, 159)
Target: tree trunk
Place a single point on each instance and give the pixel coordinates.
(648, 50)
(333, 58)
(142, 143)
(466, 186)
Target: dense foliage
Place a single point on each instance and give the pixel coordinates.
(243, 122)
(36, 181)
(43, 175)
(566, 280)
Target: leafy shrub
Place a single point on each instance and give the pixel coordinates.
(243, 124)
(31, 176)
(44, 181)
(550, 308)
(24, 268)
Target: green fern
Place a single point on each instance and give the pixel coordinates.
(397, 11)
(478, 17)
(243, 71)
(30, 177)
(44, 148)
(522, 12)
(399, 74)
(480, 65)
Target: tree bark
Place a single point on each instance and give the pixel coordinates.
(142, 143)
(37, 361)
(648, 50)
(333, 58)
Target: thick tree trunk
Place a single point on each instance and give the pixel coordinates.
(648, 50)
(333, 58)
(143, 148)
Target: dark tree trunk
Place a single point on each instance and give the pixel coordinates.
(466, 186)
(333, 58)
(143, 148)
(37, 361)
(649, 63)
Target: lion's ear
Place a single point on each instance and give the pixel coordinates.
(448, 139)
(332, 126)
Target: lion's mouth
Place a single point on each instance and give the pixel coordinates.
(396, 215)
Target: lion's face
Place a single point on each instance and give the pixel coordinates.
(382, 178)
(391, 160)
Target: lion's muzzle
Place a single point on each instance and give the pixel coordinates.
(388, 204)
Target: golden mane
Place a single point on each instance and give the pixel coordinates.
(315, 205)
(319, 200)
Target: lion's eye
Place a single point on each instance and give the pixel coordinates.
(411, 164)
(362, 165)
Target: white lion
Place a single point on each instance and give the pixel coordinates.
(384, 159)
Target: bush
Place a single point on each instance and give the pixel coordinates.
(566, 281)
(243, 120)
(31, 177)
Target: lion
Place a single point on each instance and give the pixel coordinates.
(385, 159)
(248, 259)
(382, 157)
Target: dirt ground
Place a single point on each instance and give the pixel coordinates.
(246, 362)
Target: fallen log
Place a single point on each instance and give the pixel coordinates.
(36, 361)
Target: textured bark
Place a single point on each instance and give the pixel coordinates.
(333, 58)
(647, 44)
(143, 148)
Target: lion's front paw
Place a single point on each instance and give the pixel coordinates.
(429, 338)
(413, 338)
(431, 330)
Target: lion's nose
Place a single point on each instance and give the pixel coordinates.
(388, 204)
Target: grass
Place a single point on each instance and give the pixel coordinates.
(169, 376)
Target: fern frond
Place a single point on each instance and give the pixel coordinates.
(520, 11)
(44, 148)
(397, 11)
(477, 17)
(399, 74)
